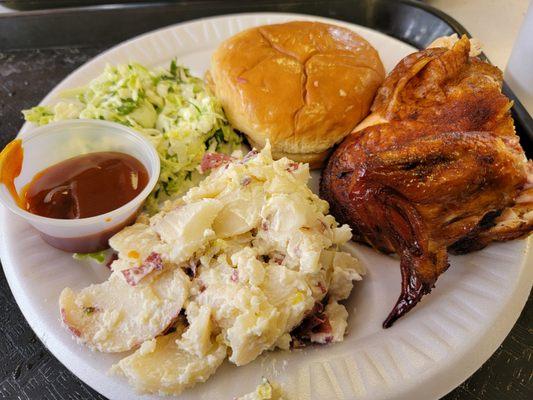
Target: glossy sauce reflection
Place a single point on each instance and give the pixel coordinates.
(85, 186)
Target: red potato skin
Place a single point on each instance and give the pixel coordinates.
(153, 262)
(76, 332)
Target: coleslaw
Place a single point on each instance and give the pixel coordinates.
(169, 106)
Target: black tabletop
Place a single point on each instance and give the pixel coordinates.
(29, 371)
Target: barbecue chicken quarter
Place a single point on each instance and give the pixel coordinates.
(436, 167)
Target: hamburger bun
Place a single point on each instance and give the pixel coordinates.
(301, 85)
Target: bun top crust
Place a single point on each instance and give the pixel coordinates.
(302, 85)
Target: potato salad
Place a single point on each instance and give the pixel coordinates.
(247, 261)
(264, 391)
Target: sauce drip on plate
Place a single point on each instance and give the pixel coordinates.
(85, 186)
(11, 160)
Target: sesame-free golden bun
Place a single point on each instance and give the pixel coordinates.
(301, 85)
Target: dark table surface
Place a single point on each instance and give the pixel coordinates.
(29, 371)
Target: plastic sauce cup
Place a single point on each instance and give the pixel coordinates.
(50, 144)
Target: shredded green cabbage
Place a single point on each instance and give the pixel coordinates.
(99, 256)
(169, 106)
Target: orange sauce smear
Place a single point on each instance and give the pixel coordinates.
(11, 159)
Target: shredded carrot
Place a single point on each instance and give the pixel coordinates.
(134, 254)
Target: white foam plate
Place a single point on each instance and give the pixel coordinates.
(426, 354)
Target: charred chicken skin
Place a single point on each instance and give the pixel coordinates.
(436, 167)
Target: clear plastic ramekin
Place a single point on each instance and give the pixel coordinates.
(50, 144)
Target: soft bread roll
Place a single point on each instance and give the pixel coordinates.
(302, 85)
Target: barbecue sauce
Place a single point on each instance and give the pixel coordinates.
(11, 159)
(80, 187)
(85, 186)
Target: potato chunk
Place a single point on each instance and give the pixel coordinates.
(185, 229)
(166, 368)
(114, 316)
(139, 239)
